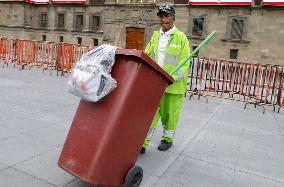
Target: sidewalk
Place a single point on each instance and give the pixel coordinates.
(217, 144)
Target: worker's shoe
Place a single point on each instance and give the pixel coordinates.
(142, 151)
(164, 145)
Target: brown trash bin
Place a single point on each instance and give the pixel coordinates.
(105, 138)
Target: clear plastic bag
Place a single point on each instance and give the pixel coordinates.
(90, 78)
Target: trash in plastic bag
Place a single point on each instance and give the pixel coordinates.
(90, 78)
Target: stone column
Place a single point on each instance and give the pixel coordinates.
(68, 19)
(159, 2)
(86, 22)
(51, 18)
(110, 2)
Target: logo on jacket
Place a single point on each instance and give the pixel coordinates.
(175, 45)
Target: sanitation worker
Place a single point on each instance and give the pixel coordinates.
(168, 47)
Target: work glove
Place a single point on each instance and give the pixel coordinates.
(178, 75)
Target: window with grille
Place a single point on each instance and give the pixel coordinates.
(60, 38)
(237, 28)
(43, 20)
(79, 40)
(198, 26)
(257, 2)
(96, 42)
(60, 21)
(193, 48)
(180, 1)
(79, 22)
(234, 53)
(97, 2)
(95, 24)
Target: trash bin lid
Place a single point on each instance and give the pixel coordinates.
(147, 60)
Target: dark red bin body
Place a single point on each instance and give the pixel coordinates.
(105, 138)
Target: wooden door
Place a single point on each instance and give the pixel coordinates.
(134, 38)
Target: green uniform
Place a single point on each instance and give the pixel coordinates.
(177, 49)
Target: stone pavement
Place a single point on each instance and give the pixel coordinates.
(217, 144)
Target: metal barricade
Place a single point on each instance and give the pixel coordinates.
(257, 84)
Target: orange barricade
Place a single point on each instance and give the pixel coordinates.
(65, 58)
(258, 84)
(67, 55)
(20, 53)
(46, 55)
(28, 53)
(2, 49)
(7, 50)
(280, 94)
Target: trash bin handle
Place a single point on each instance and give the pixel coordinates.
(194, 52)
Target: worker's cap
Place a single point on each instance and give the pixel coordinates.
(168, 9)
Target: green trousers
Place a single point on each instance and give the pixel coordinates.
(168, 111)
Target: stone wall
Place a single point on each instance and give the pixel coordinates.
(264, 26)
(265, 34)
(23, 21)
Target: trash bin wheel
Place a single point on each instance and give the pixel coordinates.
(134, 177)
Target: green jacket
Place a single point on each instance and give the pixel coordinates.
(176, 50)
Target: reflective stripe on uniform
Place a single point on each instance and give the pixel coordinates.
(150, 133)
(171, 59)
(152, 55)
(180, 73)
(169, 133)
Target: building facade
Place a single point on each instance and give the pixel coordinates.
(247, 30)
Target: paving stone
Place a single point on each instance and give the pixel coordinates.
(20, 103)
(20, 148)
(6, 133)
(281, 130)
(249, 180)
(2, 166)
(261, 165)
(212, 153)
(251, 147)
(264, 138)
(155, 162)
(14, 178)
(5, 114)
(45, 168)
(229, 141)
(78, 183)
(169, 183)
(193, 172)
(58, 113)
(229, 117)
(268, 126)
(148, 180)
(55, 134)
(225, 128)
(23, 124)
(279, 117)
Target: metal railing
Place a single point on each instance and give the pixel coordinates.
(258, 84)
